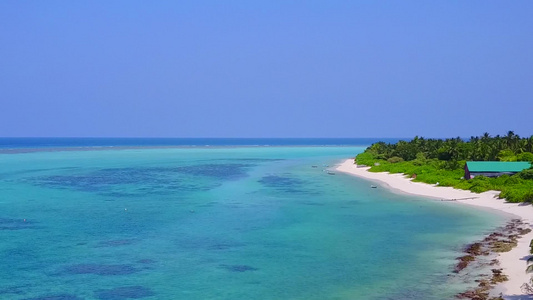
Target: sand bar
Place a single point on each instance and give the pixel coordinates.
(513, 262)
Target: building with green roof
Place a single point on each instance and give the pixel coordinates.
(494, 168)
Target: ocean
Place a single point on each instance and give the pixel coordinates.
(218, 219)
(92, 143)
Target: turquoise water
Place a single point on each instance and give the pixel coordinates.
(220, 223)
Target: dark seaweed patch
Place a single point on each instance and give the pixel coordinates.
(125, 292)
(122, 195)
(223, 171)
(280, 181)
(115, 243)
(146, 261)
(16, 224)
(239, 268)
(311, 203)
(208, 244)
(285, 184)
(13, 290)
(56, 297)
(255, 159)
(154, 180)
(223, 246)
(103, 270)
(103, 180)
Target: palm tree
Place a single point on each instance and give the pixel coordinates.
(478, 148)
(508, 139)
(529, 144)
(480, 151)
(486, 136)
(521, 146)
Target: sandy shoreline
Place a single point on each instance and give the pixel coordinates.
(512, 262)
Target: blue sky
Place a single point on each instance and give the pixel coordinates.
(265, 68)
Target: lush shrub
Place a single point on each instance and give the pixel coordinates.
(365, 158)
(525, 156)
(448, 182)
(395, 159)
(443, 154)
(517, 195)
(479, 188)
(453, 165)
(511, 180)
(420, 160)
(506, 155)
(526, 174)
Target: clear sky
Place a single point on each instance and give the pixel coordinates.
(265, 68)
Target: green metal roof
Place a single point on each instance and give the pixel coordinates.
(497, 166)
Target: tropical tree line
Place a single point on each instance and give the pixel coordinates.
(441, 161)
(510, 147)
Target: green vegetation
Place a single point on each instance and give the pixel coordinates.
(442, 161)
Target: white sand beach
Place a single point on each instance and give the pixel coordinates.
(513, 262)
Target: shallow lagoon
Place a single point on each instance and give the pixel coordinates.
(220, 223)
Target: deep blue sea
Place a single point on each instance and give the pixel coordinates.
(47, 143)
(224, 222)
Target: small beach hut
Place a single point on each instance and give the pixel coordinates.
(494, 168)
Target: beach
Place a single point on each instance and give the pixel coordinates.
(512, 262)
